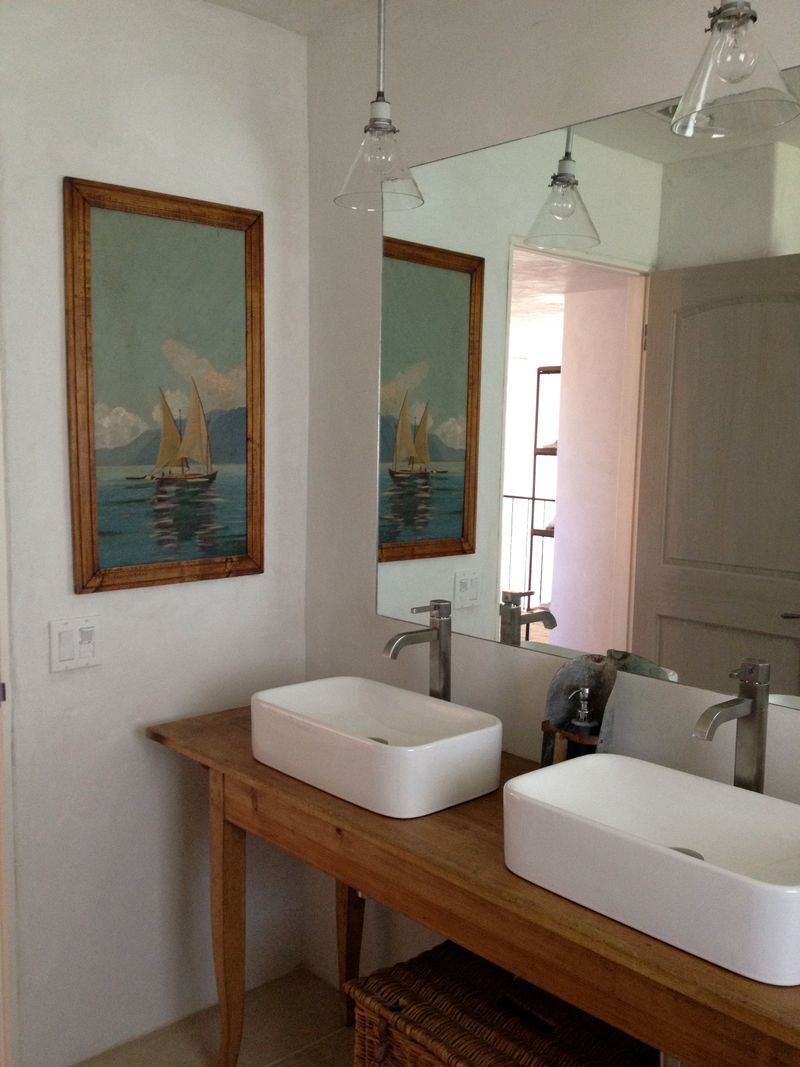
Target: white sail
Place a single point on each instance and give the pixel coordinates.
(404, 451)
(421, 440)
(170, 443)
(195, 444)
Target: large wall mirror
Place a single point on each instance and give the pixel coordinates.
(640, 487)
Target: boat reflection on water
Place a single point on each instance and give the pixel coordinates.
(185, 513)
(421, 508)
(406, 506)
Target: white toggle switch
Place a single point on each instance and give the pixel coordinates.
(73, 643)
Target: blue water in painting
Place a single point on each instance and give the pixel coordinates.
(146, 522)
(421, 509)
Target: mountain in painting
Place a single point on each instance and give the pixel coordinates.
(227, 432)
(438, 450)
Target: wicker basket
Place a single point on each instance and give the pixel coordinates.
(449, 1008)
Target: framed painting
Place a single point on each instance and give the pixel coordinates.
(165, 380)
(430, 401)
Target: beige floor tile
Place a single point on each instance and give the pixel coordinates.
(283, 1017)
(333, 1051)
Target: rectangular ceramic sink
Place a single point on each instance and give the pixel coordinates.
(392, 751)
(607, 832)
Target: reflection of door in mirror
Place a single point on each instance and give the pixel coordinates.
(717, 542)
(584, 320)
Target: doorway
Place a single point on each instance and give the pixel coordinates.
(571, 416)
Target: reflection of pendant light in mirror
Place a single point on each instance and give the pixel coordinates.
(737, 88)
(563, 221)
(379, 177)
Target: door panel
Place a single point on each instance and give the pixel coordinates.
(718, 551)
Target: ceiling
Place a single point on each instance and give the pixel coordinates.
(302, 16)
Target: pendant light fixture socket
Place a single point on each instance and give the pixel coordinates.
(379, 179)
(563, 221)
(737, 87)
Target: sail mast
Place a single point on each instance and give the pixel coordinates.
(170, 441)
(195, 444)
(404, 451)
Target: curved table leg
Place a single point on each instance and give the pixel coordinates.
(349, 930)
(227, 859)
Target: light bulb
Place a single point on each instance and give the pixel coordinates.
(379, 148)
(562, 200)
(735, 55)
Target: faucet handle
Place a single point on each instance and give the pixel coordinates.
(753, 671)
(438, 609)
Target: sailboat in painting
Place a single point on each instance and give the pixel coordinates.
(177, 451)
(411, 456)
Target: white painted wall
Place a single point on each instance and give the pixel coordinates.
(715, 213)
(460, 76)
(188, 98)
(597, 464)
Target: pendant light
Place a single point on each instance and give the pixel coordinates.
(563, 221)
(737, 88)
(378, 177)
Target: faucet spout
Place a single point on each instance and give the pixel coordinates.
(750, 710)
(713, 717)
(437, 635)
(408, 637)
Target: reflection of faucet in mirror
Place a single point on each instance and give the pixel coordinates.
(750, 711)
(438, 636)
(513, 618)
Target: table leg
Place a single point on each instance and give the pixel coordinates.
(227, 858)
(349, 929)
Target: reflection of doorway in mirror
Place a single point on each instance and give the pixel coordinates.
(574, 359)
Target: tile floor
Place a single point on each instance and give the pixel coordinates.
(295, 1021)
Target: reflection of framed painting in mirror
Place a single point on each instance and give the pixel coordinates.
(430, 399)
(165, 371)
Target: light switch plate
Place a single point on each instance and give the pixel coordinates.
(466, 592)
(73, 643)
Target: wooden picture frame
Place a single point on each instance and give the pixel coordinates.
(165, 384)
(430, 387)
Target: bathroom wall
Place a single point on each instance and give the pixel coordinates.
(459, 76)
(700, 194)
(112, 916)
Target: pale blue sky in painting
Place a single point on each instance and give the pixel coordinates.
(168, 304)
(424, 344)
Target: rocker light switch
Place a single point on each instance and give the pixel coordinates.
(73, 643)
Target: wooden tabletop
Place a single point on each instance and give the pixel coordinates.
(446, 871)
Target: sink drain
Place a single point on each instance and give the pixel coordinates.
(383, 741)
(688, 852)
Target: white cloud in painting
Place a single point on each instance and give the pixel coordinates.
(178, 402)
(453, 432)
(392, 392)
(218, 390)
(116, 426)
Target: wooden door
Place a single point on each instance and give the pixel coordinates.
(718, 532)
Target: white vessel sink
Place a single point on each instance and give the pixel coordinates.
(603, 830)
(389, 750)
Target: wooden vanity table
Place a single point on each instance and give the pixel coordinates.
(446, 871)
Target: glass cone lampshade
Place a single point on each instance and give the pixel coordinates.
(378, 177)
(737, 88)
(563, 221)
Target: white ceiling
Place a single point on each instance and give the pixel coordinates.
(302, 16)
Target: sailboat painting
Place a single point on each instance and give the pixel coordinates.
(165, 368)
(430, 373)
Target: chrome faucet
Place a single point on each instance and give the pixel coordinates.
(513, 618)
(750, 711)
(438, 636)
